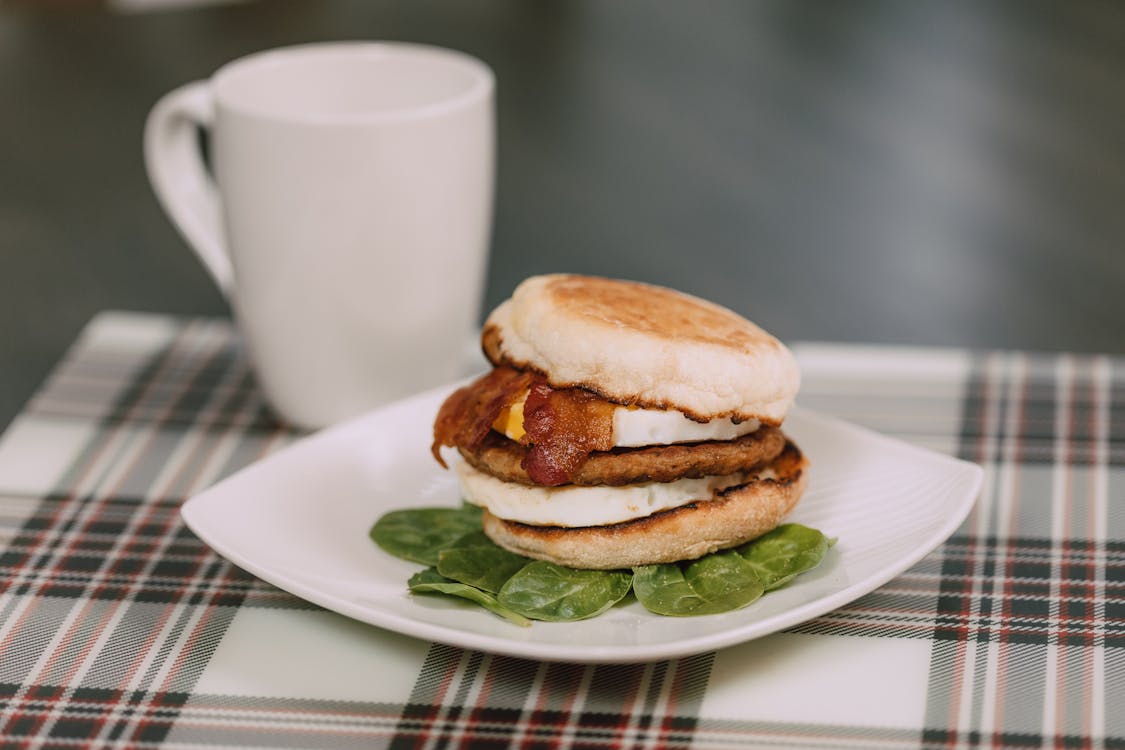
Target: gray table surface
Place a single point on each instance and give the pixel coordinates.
(930, 173)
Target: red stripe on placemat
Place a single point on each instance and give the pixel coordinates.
(1004, 554)
(148, 531)
(506, 702)
(70, 510)
(1086, 393)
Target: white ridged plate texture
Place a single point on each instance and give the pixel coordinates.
(299, 520)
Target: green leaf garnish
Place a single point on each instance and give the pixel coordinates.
(476, 560)
(419, 534)
(719, 582)
(429, 581)
(464, 563)
(784, 553)
(544, 591)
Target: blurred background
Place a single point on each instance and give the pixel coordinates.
(929, 173)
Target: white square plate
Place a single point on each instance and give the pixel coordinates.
(299, 519)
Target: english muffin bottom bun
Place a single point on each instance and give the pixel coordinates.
(624, 424)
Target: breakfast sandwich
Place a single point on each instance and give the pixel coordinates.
(623, 424)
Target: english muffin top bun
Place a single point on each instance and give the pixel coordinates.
(624, 424)
(643, 345)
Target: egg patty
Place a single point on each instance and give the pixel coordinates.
(634, 427)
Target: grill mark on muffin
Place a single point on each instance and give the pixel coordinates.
(650, 309)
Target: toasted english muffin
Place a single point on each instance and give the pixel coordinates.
(643, 345)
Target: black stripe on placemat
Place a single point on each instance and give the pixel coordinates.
(1037, 428)
(999, 591)
(59, 551)
(49, 521)
(86, 571)
(1116, 449)
(433, 718)
(137, 405)
(187, 570)
(77, 718)
(1018, 610)
(942, 739)
(955, 604)
(1034, 429)
(1004, 589)
(55, 525)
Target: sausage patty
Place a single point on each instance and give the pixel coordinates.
(503, 459)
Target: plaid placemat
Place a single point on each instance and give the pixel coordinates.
(118, 628)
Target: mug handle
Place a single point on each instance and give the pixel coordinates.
(180, 179)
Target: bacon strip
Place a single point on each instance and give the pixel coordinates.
(467, 415)
(563, 426)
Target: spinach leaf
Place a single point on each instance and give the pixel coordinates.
(478, 561)
(544, 591)
(719, 582)
(465, 563)
(419, 534)
(784, 553)
(429, 581)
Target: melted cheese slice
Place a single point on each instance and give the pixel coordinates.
(633, 428)
(572, 506)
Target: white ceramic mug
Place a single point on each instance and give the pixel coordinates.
(348, 217)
